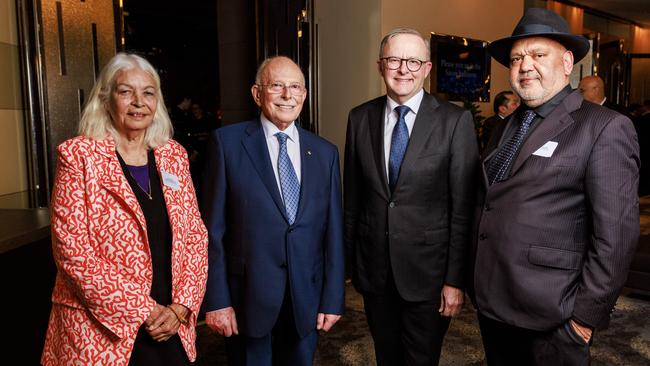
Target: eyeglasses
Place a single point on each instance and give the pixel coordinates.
(394, 63)
(277, 88)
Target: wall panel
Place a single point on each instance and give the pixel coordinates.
(69, 62)
(13, 178)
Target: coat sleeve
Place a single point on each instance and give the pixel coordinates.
(333, 298)
(194, 266)
(611, 182)
(217, 293)
(463, 167)
(116, 302)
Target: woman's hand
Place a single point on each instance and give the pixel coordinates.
(163, 323)
(157, 310)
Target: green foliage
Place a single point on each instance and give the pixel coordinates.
(476, 114)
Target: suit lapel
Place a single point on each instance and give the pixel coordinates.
(484, 168)
(491, 149)
(307, 171)
(258, 152)
(425, 121)
(114, 181)
(556, 122)
(376, 123)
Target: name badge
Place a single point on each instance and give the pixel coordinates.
(547, 150)
(170, 180)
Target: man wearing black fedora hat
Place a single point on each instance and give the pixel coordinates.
(558, 219)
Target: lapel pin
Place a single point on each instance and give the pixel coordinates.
(308, 152)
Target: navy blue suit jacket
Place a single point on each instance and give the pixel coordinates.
(253, 250)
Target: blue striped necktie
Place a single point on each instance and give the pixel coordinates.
(288, 180)
(499, 165)
(398, 143)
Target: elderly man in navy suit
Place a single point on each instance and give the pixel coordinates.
(274, 217)
(559, 215)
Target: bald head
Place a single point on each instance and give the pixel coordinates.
(282, 62)
(279, 90)
(592, 89)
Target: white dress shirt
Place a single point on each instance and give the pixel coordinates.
(390, 120)
(293, 147)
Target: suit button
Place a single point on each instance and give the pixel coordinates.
(283, 265)
(391, 204)
(482, 236)
(488, 207)
(291, 230)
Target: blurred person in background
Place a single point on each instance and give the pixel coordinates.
(505, 103)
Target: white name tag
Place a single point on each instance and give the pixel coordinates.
(546, 151)
(170, 180)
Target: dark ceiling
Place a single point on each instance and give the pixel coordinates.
(637, 11)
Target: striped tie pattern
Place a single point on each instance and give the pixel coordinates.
(500, 164)
(398, 143)
(288, 180)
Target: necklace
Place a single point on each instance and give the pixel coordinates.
(147, 192)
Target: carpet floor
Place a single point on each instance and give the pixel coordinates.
(626, 342)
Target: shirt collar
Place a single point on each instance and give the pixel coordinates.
(545, 109)
(271, 129)
(413, 103)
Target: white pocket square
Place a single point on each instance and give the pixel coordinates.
(546, 151)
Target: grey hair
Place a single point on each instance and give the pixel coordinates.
(96, 121)
(399, 31)
(265, 64)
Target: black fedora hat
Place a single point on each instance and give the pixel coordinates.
(538, 22)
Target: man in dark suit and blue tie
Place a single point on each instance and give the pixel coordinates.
(274, 218)
(558, 219)
(410, 164)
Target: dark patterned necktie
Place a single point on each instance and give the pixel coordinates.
(398, 143)
(500, 164)
(288, 179)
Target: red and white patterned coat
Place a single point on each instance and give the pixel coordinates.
(99, 241)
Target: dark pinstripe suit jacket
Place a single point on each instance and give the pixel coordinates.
(555, 240)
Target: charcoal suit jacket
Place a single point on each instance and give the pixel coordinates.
(419, 234)
(554, 240)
